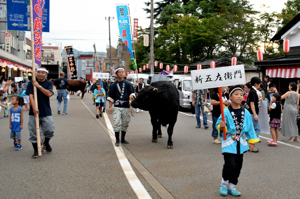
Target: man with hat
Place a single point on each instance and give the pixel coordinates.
(61, 86)
(120, 92)
(44, 92)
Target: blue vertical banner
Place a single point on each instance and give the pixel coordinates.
(124, 29)
(37, 10)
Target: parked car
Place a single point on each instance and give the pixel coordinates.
(184, 86)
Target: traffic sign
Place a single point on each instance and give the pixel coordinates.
(18, 15)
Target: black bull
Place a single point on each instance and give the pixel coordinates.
(75, 85)
(161, 99)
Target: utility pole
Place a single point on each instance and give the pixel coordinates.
(109, 19)
(151, 42)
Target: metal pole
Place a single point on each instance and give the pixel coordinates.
(110, 64)
(151, 42)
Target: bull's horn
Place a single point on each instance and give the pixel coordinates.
(154, 89)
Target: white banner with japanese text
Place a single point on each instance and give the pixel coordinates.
(100, 75)
(218, 77)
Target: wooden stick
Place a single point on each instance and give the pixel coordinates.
(222, 111)
(37, 121)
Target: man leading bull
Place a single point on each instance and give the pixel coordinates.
(120, 92)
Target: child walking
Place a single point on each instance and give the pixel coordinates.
(99, 95)
(16, 122)
(7, 104)
(275, 115)
(238, 122)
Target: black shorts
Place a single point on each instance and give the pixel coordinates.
(100, 104)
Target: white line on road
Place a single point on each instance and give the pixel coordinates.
(133, 180)
(286, 144)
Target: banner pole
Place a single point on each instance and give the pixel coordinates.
(37, 121)
(222, 111)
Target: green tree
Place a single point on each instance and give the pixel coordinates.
(290, 11)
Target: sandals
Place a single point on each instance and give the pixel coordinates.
(272, 143)
(289, 140)
(296, 140)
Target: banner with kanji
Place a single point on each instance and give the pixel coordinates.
(71, 62)
(38, 9)
(96, 61)
(124, 29)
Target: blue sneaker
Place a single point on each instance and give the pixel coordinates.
(234, 192)
(18, 148)
(223, 189)
(15, 144)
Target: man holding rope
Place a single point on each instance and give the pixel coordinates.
(120, 92)
(44, 92)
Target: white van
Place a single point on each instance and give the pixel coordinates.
(184, 85)
(133, 77)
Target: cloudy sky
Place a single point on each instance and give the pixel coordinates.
(82, 23)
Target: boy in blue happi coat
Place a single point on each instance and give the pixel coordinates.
(99, 96)
(238, 122)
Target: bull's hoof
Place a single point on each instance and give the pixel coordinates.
(154, 141)
(159, 136)
(170, 147)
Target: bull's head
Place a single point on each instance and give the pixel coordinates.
(145, 99)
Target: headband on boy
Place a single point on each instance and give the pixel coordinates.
(43, 70)
(119, 69)
(237, 88)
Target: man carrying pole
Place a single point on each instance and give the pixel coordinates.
(40, 114)
(41, 109)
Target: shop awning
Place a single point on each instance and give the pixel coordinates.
(283, 72)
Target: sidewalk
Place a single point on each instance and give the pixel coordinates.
(83, 163)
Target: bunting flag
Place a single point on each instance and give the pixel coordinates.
(96, 62)
(124, 28)
(37, 10)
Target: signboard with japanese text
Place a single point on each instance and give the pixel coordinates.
(218, 77)
(18, 15)
(18, 79)
(7, 42)
(100, 75)
(37, 10)
(96, 61)
(125, 33)
(71, 62)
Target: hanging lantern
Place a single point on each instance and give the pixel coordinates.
(286, 45)
(260, 55)
(3, 70)
(199, 67)
(15, 68)
(186, 69)
(144, 67)
(175, 68)
(168, 68)
(161, 65)
(213, 64)
(155, 63)
(29, 74)
(140, 70)
(233, 61)
(147, 66)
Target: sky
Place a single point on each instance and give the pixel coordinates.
(82, 23)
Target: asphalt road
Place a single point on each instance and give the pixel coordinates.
(84, 164)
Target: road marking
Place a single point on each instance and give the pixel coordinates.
(190, 116)
(290, 145)
(286, 144)
(133, 180)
